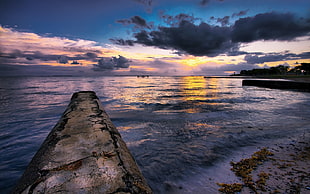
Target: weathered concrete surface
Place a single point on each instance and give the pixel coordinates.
(84, 153)
(303, 86)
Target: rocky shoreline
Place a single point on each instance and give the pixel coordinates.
(286, 170)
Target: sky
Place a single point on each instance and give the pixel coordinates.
(151, 37)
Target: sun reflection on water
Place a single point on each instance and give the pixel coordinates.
(198, 90)
(194, 88)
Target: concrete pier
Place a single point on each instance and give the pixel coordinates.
(84, 153)
(275, 84)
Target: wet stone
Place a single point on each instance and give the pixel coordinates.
(79, 157)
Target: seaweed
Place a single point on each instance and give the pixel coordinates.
(244, 168)
(230, 188)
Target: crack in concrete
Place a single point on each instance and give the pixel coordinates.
(127, 178)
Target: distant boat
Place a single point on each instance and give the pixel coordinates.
(143, 76)
(75, 63)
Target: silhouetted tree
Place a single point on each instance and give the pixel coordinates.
(279, 70)
(303, 68)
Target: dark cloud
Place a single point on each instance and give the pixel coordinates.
(175, 21)
(30, 55)
(16, 54)
(42, 70)
(81, 50)
(234, 51)
(224, 21)
(63, 59)
(139, 21)
(90, 56)
(269, 26)
(241, 13)
(121, 62)
(260, 58)
(136, 20)
(304, 55)
(184, 36)
(122, 41)
(13, 55)
(106, 63)
(193, 39)
(254, 58)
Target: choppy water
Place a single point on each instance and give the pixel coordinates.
(179, 129)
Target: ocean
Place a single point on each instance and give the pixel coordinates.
(180, 130)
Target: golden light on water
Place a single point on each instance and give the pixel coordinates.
(194, 88)
(198, 90)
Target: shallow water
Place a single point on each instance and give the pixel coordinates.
(179, 129)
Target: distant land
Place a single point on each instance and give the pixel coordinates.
(299, 73)
(280, 70)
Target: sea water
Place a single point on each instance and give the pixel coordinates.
(179, 129)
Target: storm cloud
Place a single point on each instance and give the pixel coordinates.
(31, 55)
(241, 13)
(209, 40)
(106, 63)
(260, 58)
(199, 40)
(174, 21)
(37, 55)
(224, 21)
(269, 26)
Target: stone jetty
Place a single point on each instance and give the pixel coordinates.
(84, 153)
(277, 84)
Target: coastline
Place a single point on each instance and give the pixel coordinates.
(287, 170)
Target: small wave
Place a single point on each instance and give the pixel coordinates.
(45, 93)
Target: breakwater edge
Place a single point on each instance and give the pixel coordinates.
(85, 153)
